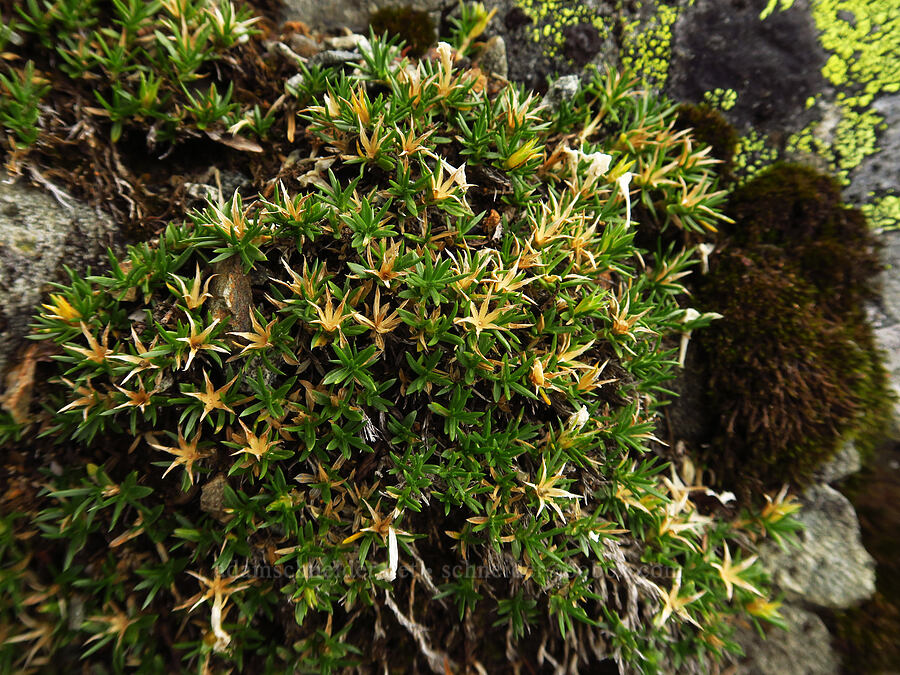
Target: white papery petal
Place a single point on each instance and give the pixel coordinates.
(624, 181)
(393, 558)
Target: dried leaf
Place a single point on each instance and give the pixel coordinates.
(235, 142)
(19, 383)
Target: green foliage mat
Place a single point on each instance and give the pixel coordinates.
(401, 418)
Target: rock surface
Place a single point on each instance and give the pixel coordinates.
(773, 65)
(37, 237)
(804, 649)
(563, 89)
(830, 569)
(352, 14)
(885, 315)
(844, 464)
(880, 172)
(493, 59)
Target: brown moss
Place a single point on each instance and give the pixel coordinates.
(413, 26)
(783, 375)
(710, 128)
(799, 210)
(793, 366)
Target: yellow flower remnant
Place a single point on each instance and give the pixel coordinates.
(60, 308)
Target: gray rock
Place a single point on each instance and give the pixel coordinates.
(563, 89)
(773, 65)
(844, 464)
(493, 58)
(567, 25)
(37, 237)
(888, 309)
(885, 316)
(334, 57)
(350, 14)
(830, 568)
(804, 649)
(303, 46)
(349, 43)
(879, 172)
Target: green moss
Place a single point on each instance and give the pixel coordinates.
(413, 26)
(376, 402)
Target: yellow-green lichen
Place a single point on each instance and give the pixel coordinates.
(856, 137)
(550, 18)
(863, 39)
(647, 50)
(809, 141)
(775, 4)
(723, 99)
(754, 153)
(884, 213)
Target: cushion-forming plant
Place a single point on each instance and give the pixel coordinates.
(401, 417)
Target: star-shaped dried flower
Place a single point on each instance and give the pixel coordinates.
(546, 492)
(381, 322)
(194, 297)
(197, 341)
(136, 399)
(96, 351)
(674, 603)
(219, 590)
(139, 362)
(212, 397)
(254, 445)
(260, 338)
(186, 454)
(730, 573)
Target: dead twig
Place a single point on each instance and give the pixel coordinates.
(60, 195)
(436, 658)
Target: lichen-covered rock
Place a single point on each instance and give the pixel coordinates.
(880, 172)
(830, 568)
(803, 649)
(37, 237)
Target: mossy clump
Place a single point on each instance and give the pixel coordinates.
(785, 378)
(413, 26)
(709, 127)
(800, 211)
(793, 366)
